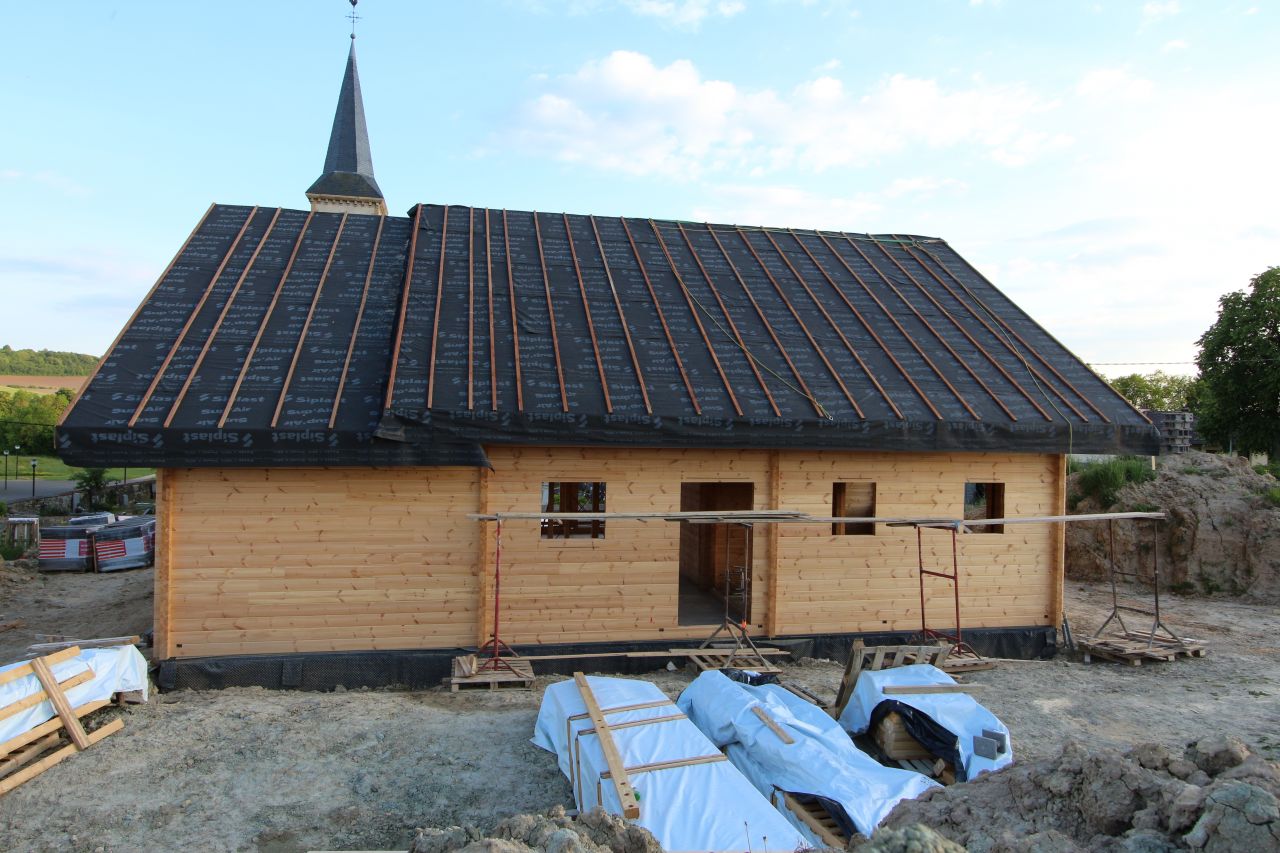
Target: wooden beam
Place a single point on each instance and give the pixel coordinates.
(923, 689)
(617, 769)
(355, 331)
(166, 509)
(404, 308)
(58, 699)
(16, 779)
(39, 696)
(772, 724)
(1057, 572)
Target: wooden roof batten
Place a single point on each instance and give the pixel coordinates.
(901, 330)
(266, 320)
(662, 318)
(1035, 352)
(306, 324)
(586, 307)
(835, 327)
(924, 321)
(222, 315)
(355, 331)
(706, 339)
(977, 345)
(622, 318)
(773, 336)
(1000, 335)
(835, 374)
(191, 318)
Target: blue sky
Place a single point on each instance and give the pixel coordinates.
(1111, 166)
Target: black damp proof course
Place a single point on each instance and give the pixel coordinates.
(458, 327)
(421, 668)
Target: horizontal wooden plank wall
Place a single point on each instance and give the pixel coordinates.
(624, 586)
(298, 560)
(839, 583)
(283, 560)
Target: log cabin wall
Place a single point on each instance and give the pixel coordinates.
(310, 559)
(862, 583)
(295, 560)
(625, 585)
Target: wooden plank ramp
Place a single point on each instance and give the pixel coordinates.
(515, 673)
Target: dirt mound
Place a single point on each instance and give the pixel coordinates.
(1216, 797)
(555, 832)
(1222, 535)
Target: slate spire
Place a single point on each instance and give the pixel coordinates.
(347, 184)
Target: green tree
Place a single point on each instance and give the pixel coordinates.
(27, 419)
(1158, 390)
(1239, 398)
(92, 483)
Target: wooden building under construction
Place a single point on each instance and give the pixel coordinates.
(330, 395)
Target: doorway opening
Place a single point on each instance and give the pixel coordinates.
(715, 559)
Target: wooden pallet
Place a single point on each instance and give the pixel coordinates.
(29, 754)
(965, 662)
(745, 659)
(468, 675)
(1133, 649)
(818, 819)
(875, 658)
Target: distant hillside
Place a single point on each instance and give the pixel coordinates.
(29, 362)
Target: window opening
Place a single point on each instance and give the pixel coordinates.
(984, 500)
(853, 500)
(573, 497)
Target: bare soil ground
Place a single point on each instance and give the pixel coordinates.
(257, 770)
(40, 384)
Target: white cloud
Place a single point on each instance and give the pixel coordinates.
(784, 205)
(625, 113)
(1175, 44)
(1113, 84)
(47, 178)
(922, 186)
(685, 14)
(1156, 11)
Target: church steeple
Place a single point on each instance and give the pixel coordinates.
(347, 184)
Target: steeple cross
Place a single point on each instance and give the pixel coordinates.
(353, 16)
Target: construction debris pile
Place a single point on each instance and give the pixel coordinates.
(1216, 797)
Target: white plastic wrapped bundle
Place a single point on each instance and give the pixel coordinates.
(821, 761)
(958, 713)
(690, 797)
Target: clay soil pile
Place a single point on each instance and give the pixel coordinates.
(1214, 796)
(1222, 534)
(555, 832)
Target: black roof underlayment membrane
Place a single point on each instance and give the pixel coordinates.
(281, 337)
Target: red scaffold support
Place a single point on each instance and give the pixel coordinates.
(490, 655)
(958, 645)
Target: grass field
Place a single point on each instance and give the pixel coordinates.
(53, 468)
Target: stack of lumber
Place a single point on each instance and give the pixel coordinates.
(34, 751)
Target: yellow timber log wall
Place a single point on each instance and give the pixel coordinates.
(253, 561)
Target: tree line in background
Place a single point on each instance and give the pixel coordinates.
(30, 362)
(1236, 397)
(27, 419)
